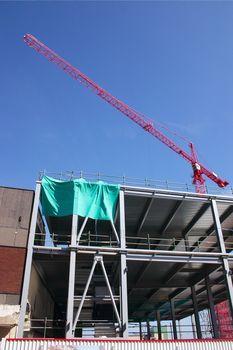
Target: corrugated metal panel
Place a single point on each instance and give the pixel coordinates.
(115, 345)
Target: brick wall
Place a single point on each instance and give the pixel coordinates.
(11, 269)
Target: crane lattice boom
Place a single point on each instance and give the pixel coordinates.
(198, 169)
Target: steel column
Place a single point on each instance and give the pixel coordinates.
(211, 308)
(148, 330)
(140, 329)
(173, 318)
(27, 272)
(196, 314)
(158, 324)
(72, 268)
(194, 326)
(227, 270)
(123, 270)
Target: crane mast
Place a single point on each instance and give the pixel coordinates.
(198, 169)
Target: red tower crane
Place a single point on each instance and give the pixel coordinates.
(198, 169)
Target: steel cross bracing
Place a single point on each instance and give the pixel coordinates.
(198, 169)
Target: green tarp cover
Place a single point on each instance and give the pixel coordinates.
(96, 200)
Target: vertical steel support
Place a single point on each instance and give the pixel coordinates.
(211, 308)
(194, 327)
(159, 324)
(72, 268)
(140, 330)
(123, 271)
(196, 314)
(173, 318)
(226, 268)
(148, 330)
(27, 272)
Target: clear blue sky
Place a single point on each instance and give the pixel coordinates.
(172, 61)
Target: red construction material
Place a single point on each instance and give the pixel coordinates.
(198, 169)
(224, 320)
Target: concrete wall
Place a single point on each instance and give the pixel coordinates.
(15, 214)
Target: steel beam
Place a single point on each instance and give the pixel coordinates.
(172, 306)
(81, 230)
(140, 330)
(172, 194)
(144, 215)
(212, 228)
(148, 330)
(191, 224)
(123, 269)
(197, 279)
(196, 313)
(159, 324)
(28, 265)
(170, 217)
(167, 278)
(115, 232)
(71, 283)
(176, 258)
(211, 308)
(195, 219)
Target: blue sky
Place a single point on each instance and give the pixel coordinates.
(173, 61)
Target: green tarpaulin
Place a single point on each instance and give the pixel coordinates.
(96, 200)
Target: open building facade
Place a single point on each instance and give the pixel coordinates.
(164, 256)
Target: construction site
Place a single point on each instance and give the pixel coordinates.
(93, 256)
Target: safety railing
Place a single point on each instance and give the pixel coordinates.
(144, 330)
(148, 241)
(133, 181)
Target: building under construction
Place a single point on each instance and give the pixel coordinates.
(156, 258)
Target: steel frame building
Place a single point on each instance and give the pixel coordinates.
(166, 256)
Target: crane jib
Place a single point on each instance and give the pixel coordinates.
(127, 111)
